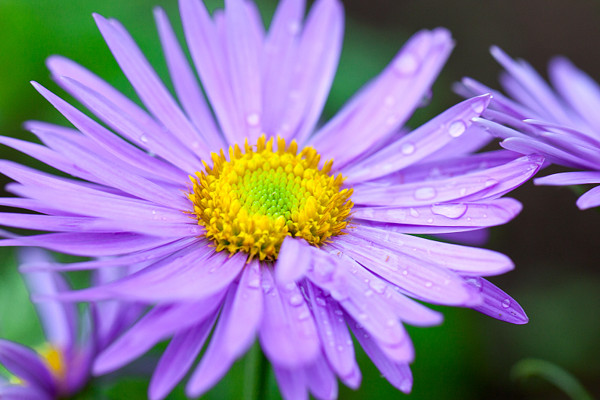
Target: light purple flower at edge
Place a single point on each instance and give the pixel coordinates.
(560, 122)
(131, 202)
(63, 364)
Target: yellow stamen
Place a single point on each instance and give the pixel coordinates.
(53, 357)
(257, 198)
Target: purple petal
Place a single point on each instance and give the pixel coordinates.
(185, 82)
(194, 273)
(110, 144)
(135, 258)
(421, 142)
(291, 382)
(316, 61)
(18, 392)
(476, 215)
(24, 363)
(58, 319)
(554, 155)
(416, 276)
(321, 380)
(466, 260)
(293, 261)
(234, 333)
(244, 71)
(335, 338)
(147, 84)
(86, 244)
(280, 53)
(159, 323)
(387, 102)
(209, 59)
(398, 374)
(589, 199)
(362, 295)
(569, 178)
(178, 358)
(533, 83)
(287, 333)
(496, 303)
(577, 88)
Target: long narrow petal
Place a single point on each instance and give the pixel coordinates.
(386, 103)
(159, 323)
(287, 333)
(335, 337)
(496, 303)
(24, 363)
(293, 261)
(147, 84)
(421, 142)
(589, 199)
(420, 278)
(570, 178)
(398, 374)
(466, 260)
(186, 85)
(178, 358)
(234, 334)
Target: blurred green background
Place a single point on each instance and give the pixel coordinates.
(554, 245)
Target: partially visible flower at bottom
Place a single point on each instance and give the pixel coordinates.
(562, 122)
(271, 238)
(62, 365)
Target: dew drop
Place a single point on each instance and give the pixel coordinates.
(478, 107)
(368, 293)
(320, 301)
(340, 348)
(293, 27)
(406, 64)
(428, 284)
(408, 148)
(491, 182)
(295, 300)
(457, 128)
(505, 303)
(425, 193)
(389, 101)
(414, 213)
(378, 286)
(452, 211)
(144, 139)
(253, 119)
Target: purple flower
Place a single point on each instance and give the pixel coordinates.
(62, 366)
(560, 123)
(231, 213)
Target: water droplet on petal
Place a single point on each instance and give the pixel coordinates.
(428, 284)
(408, 148)
(293, 27)
(478, 106)
(414, 213)
(406, 64)
(491, 182)
(378, 286)
(457, 128)
(253, 119)
(389, 101)
(296, 300)
(144, 139)
(505, 303)
(453, 211)
(320, 301)
(425, 193)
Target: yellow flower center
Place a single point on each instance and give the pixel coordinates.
(261, 195)
(53, 357)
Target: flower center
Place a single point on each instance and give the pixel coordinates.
(54, 359)
(257, 198)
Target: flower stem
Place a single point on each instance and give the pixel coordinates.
(256, 374)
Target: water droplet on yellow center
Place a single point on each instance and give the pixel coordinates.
(252, 201)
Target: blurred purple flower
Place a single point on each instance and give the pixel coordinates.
(560, 123)
(330, 269)
(62, 366)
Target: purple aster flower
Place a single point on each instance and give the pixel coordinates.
(561, 123)
(62, 365)
(233, 215)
